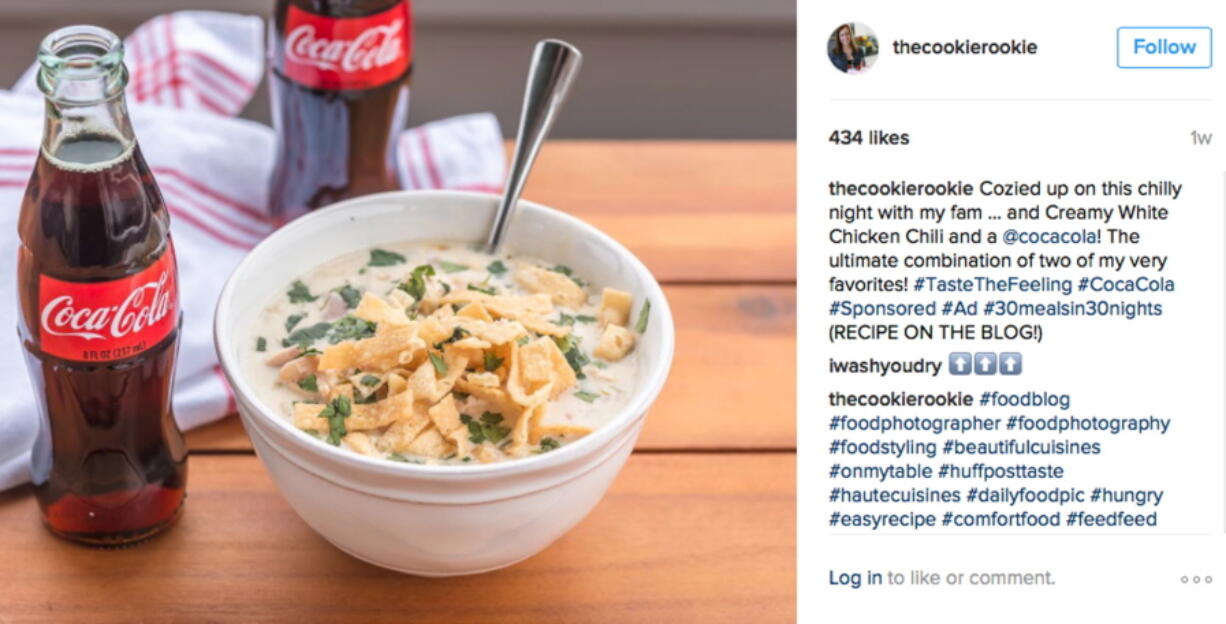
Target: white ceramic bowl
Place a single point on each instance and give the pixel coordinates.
(437, 520)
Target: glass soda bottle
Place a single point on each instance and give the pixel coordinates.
(338, 75)
(99, 303)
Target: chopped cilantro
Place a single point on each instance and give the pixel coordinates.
(587, 396)
(261, 344)
(488, 428)
(451, 267)
(565, 270)
(439, 365)
(416, 286)
(460, 396)
(350, 294)
(299, 293)
(489, 290)
(467, 459)
(565, 319)
(497, 267)
(492, 362)
(548, 444)
(599, 364)
(292, 321)
(351, 328)
(370, 398)
(446, 288)
(336, 412)
(309, 351)
(583, 318)
(522, 340)
(397, 457)
(475, 434)
(641, 326)
(567, 342)
(306, 336)
(369, 380)
(309, 383)
(381, 257)
(569, 346)
(456, 334)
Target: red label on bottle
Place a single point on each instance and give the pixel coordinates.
(106, 321)
(337, 53)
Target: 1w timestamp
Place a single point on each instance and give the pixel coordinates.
(875, 137)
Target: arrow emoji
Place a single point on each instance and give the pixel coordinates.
(1009, 363)
(960, 364)
(985, 363)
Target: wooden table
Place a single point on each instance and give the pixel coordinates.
(699, 526)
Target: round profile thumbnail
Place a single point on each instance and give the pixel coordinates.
(852, 48)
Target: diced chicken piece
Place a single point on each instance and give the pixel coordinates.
(615, 343)
(335, 307)
(298, 369)
(284, 355)
(614, 307)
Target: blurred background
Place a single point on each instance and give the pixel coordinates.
(710, 69)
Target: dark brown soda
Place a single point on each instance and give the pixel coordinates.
(331, 145)
(109, 462)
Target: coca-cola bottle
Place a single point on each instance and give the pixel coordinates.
(99, 304)
(338, 72)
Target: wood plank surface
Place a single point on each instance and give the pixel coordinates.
(690, 210)
(679, 538)
(733, 382)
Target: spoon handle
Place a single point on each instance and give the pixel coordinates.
(555, 64)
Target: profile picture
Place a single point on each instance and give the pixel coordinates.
(852, 48)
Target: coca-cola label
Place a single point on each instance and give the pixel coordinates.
(338, 53)
(106, 321)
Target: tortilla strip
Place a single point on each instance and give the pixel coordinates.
(557, 430)
(374, 309)
(527, 391)
(401, 434)
(430, 443)
(362, 416)
(425, 383)
(497, 397)
(541, 326)
(487, 454)
(360, 442)
(445, 416)
(379, 353)
(476, 311)
(505, 306)
(529, 420)
(561, 289)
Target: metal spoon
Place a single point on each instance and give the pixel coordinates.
(555, 64)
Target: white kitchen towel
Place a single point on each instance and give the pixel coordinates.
(190, 72)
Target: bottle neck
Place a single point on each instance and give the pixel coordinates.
(85, 134)
(82, 75)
